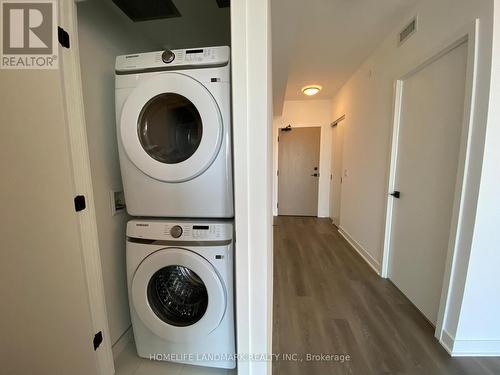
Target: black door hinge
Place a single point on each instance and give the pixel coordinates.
(396, 194)
(63, 37)
(97, 340)
(80, 204)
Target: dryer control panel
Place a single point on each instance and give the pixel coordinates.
(175, 59)
(180, 230)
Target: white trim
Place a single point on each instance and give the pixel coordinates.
(457, 230)
(398, 91)
(122, 342)
(476, 348)
(252, 139)
(82, 180)
(447, 341)
(331, 193)
(367, 257)
(469, 348)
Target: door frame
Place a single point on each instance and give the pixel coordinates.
(252, 112)
(276, 166)
(82, 181)
(334, 125)
(320, 164)
(252, 154)
(458, 231)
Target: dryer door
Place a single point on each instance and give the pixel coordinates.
(178, 295)
(171, 127)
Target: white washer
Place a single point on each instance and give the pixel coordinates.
(174, 132)
(180, 282)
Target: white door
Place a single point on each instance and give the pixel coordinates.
(432, 106)
(45, 320)
(298, 167)
(336, 172)
(171, 127)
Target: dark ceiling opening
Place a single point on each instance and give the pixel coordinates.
(223, 3)
(146, 10)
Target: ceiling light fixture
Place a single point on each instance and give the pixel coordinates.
(311, 90)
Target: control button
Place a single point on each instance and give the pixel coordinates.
(167, 56)
(176, 231)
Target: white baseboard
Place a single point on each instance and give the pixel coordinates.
(476, 348)
(122, 342)
(372, 262)
(447, 341)
(469, 348)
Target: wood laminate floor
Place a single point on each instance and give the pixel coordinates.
(328, 300)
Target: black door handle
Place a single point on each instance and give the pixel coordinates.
(396, 194)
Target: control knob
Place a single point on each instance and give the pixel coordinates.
(176, 231)
(167, 56)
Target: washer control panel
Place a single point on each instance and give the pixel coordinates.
(180, 230)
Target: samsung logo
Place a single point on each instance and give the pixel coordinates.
(142, 225)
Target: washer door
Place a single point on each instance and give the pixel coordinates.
(171, 127)
(178, 295)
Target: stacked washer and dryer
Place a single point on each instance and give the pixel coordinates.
(174, 140)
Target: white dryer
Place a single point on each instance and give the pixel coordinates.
(174, 132)
(180, 280)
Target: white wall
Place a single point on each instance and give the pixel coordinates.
(367, 101)
(103, 36)
(307, 113)
(252, 136)
(285, 26)
(479, 325)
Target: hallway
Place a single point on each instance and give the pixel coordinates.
(326, 296)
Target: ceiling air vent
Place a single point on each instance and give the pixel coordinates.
(408, 31)
(146, 10)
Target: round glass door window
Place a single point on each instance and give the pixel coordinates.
(177, 296)
(170, 128)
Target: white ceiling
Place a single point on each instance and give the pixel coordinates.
(325, 41)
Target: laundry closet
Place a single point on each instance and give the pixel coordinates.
(189, 40)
